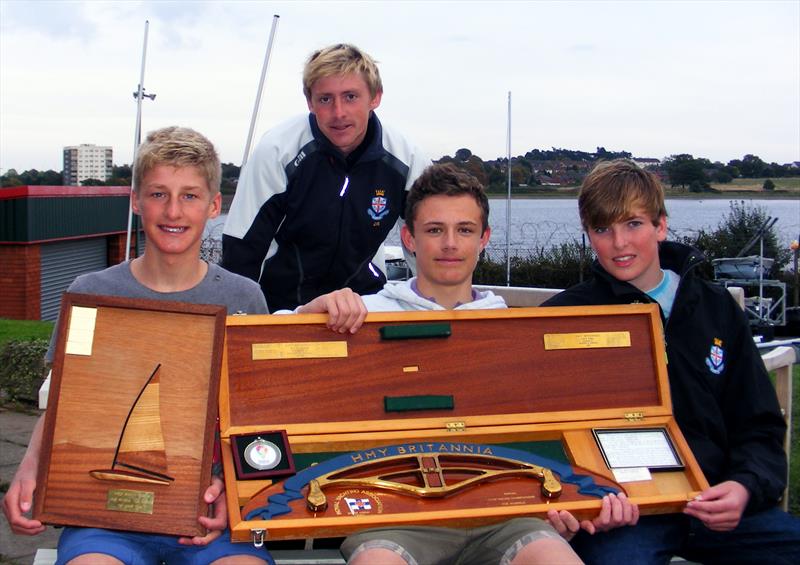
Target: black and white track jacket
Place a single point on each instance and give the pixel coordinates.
(306, 220)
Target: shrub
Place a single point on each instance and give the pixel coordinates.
(559, 266)
(22, 369)
(769, 185)
(736, 230)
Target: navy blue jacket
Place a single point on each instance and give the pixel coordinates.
(722, 398)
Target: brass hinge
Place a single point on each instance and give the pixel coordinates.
(258, 537)
(456, 426)
(634, 416)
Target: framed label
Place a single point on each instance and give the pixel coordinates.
(651, 448)
(262, 454)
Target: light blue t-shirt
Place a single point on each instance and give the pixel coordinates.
(664, 292)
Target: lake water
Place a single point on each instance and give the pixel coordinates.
(546, 222)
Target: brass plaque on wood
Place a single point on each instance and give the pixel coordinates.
(299, 350)
(587, 340)
(81, 331)
(123, 500)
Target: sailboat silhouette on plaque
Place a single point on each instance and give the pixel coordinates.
(140, 455)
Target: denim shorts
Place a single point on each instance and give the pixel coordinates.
(149, 549)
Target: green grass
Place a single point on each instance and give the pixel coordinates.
(24, 330)
(794, 457)
(790, 185)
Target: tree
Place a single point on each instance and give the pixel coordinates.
(92, 182)
(721, 176)
(463, 154)
(684, 169)
(52, 178)
(11, 178)
(230, 171)
(769, 185)
(752, 166)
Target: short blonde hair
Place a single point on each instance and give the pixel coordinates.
(178, 147)
(341, 59)
(614, 188)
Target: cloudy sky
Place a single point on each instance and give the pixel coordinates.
(717, 79)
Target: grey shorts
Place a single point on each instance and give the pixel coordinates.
(420, 545)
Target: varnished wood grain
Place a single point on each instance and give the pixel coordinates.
(91, 397)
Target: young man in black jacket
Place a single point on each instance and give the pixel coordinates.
(322, 191)
(722, 398)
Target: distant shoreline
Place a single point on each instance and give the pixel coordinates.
(731, 194)
(572, 194)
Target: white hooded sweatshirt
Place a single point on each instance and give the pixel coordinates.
(397, 297)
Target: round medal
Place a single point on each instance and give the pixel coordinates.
(262, 454)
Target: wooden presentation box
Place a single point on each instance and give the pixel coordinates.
(129, 428)
(455, 418)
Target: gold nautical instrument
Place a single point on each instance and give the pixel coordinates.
(433, 475)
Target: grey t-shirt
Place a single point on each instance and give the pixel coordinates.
(238, 294)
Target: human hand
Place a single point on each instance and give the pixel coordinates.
(616, 511)
(720, 507)
(346, 310)
(564, 523)
(218, 521)
(18, 501)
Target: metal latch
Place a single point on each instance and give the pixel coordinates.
(258, 537)
(456, 426)
(634, 416)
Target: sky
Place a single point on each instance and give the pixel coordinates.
(715, 79)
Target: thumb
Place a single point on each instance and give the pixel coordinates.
(26, 495)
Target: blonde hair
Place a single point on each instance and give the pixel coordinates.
(613, 189)
(341, 59)
(178, 147)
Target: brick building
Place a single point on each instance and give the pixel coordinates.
(51, 234)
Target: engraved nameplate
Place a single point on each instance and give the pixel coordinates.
(81, 331)
(587, 340)
(123, 500)
(299, 350)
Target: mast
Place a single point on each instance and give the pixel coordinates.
(259, 92)
(508, 198)
(139, 94)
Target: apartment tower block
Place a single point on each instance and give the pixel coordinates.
(87, 161)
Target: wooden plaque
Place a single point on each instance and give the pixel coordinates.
(427, 386)
(129, 428)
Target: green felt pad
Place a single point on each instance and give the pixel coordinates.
(421, 402)
(415, 331)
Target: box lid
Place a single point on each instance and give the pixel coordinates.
(495, 367)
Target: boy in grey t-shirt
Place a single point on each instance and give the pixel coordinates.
(176, 190)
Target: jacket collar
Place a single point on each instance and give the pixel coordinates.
(674, 256)
(369, 150)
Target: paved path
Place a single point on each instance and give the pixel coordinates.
(15, 431)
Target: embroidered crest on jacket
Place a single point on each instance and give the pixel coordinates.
(716, 357)
(379, 206)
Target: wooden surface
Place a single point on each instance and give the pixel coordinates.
(84, 421)
(490, 365)
(505, 385)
